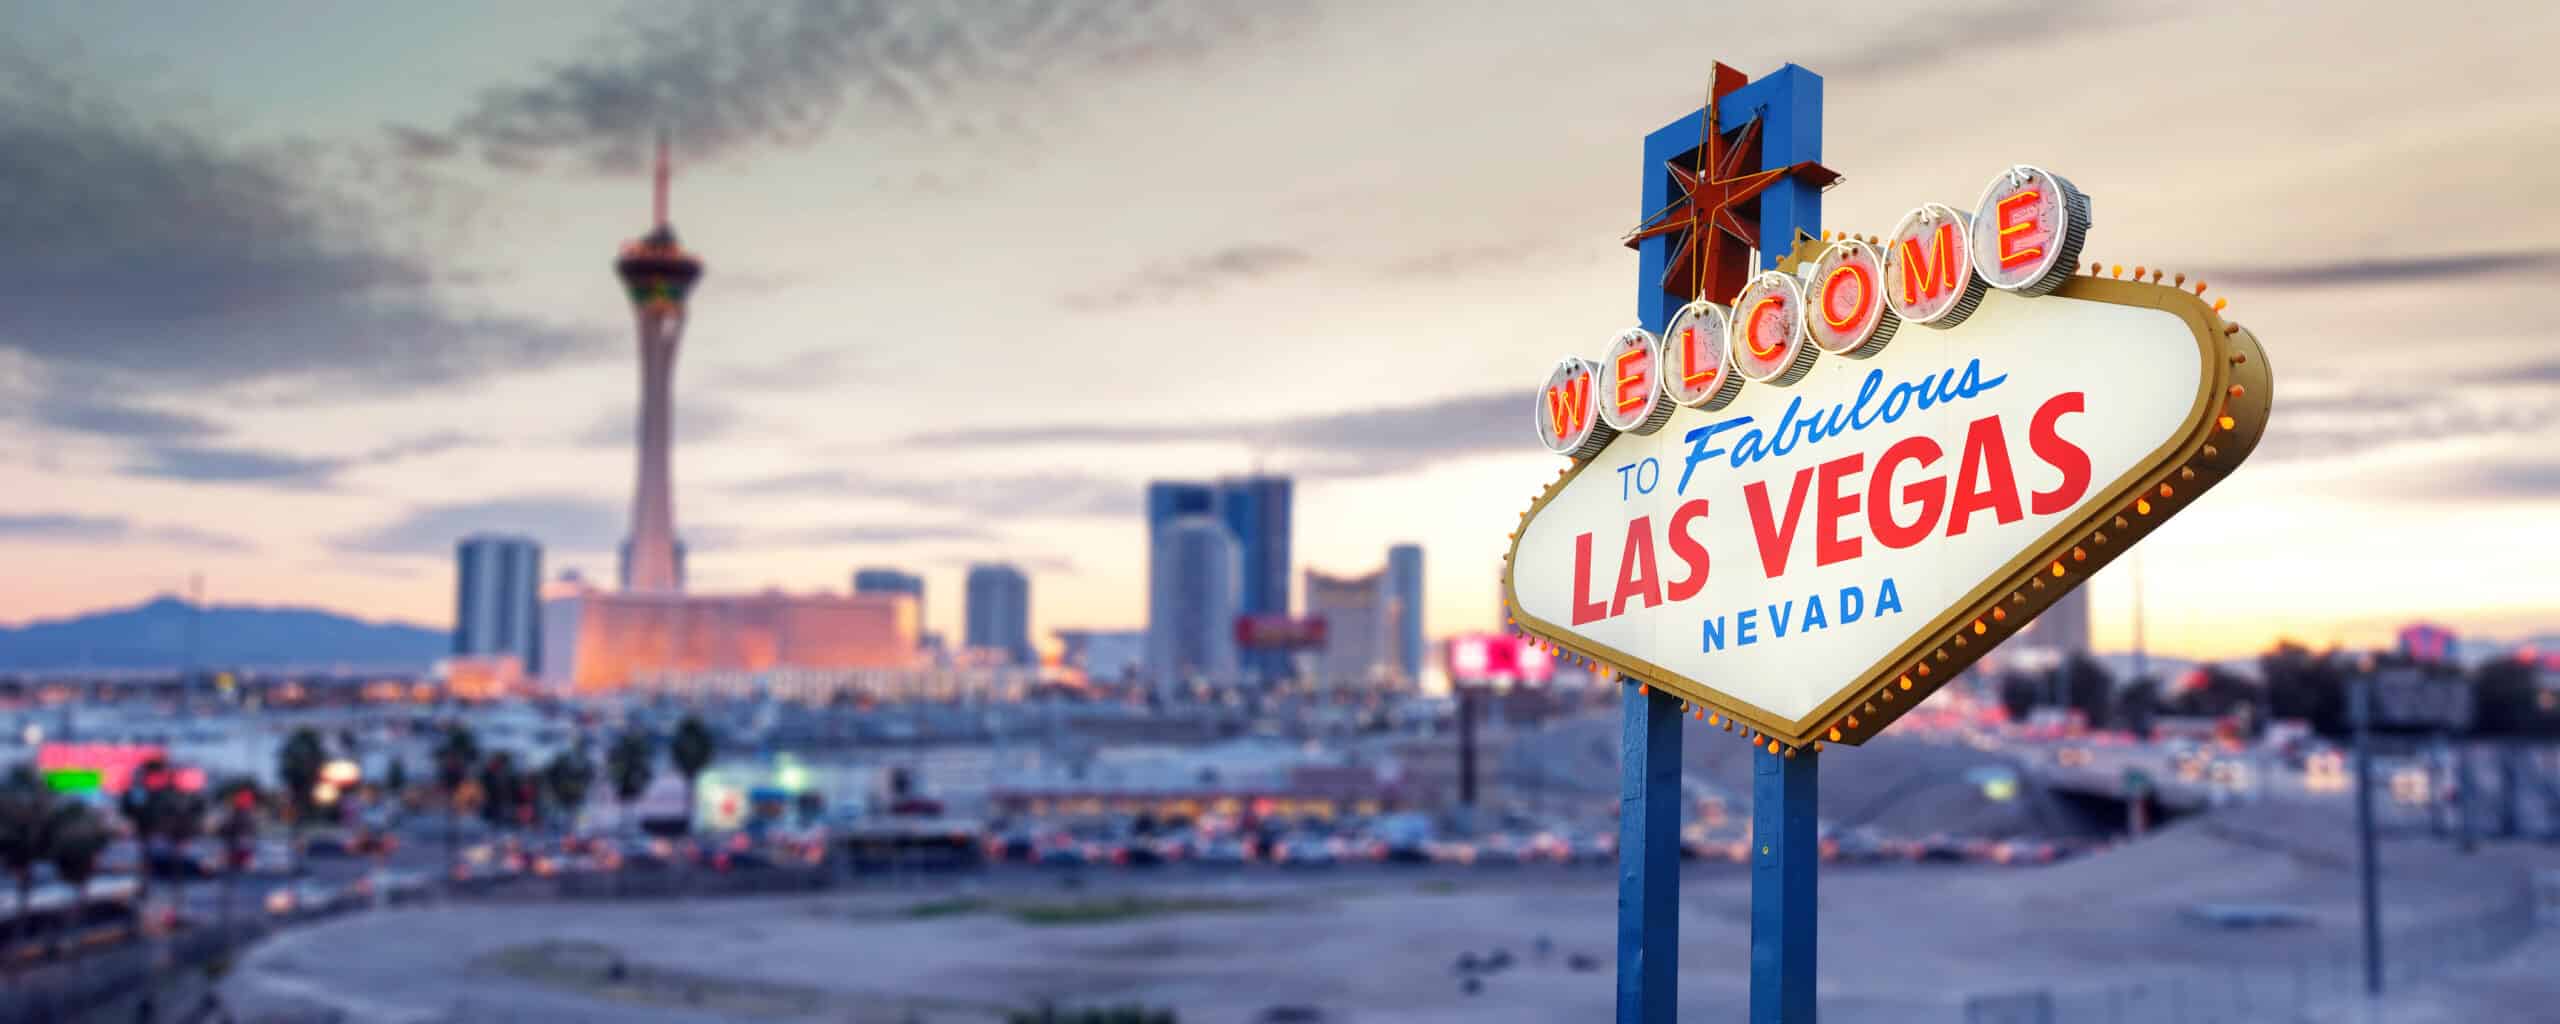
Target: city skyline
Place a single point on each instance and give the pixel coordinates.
(375, 323)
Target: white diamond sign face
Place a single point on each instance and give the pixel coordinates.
(1815, 557)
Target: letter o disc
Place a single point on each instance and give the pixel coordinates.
(1768, 341)
(1695, 372)
(1845, 309)
(1632, 370)
(1569, 410)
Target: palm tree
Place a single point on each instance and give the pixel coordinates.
(237, 829)
(161, 815)
(78, 838)
(498, 788)
(568, 777)
(693, 747)
(299, 762)
(631, 761)
(27, 821)
(456, 755)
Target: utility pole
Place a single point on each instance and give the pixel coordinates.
(2361, 708)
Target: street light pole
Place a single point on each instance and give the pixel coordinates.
(2361, 698)
(1468, 697)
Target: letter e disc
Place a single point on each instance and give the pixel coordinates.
(1569, 410)
(1631, 390)
(2028, 229)
(1928, 267)
(1768, 343)
(1695, 372)
(1845, 310)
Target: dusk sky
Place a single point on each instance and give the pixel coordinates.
(294, 295)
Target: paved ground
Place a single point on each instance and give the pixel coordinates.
(1901, 944)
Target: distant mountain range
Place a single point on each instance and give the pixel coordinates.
(154, 635)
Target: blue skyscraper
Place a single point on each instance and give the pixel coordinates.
(497, 598)
(1256, 511)
(1169, 501)
(999, 611)
(1404, 587)
(1191, 594)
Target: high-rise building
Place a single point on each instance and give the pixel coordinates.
(497, 599)
(1168, 500)
(1256, 510)
(658, 275)
(1192, 591)
(879, 580)
(1404, 585)
(1360, 635)
(999, 611)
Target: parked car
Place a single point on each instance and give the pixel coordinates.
(1305, 849)
(1224, 852)
(177, 863)
(302, 898)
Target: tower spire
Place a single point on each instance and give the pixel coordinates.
(661, 206)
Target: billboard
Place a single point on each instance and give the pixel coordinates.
(1279, 633)
(1495, 657)
(1811, 508)
(2427, 643)
(105, 767)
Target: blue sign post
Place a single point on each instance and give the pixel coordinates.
(1787, 106)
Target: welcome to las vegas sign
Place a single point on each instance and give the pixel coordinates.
(1808, 509)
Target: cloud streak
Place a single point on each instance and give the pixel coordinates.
(63, 526)
(729, 77)
(1199, 275)
(2454, 266)
(220, 464)
(68, 410)
(2356, 423)
(2530, 479)
(156, 256)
